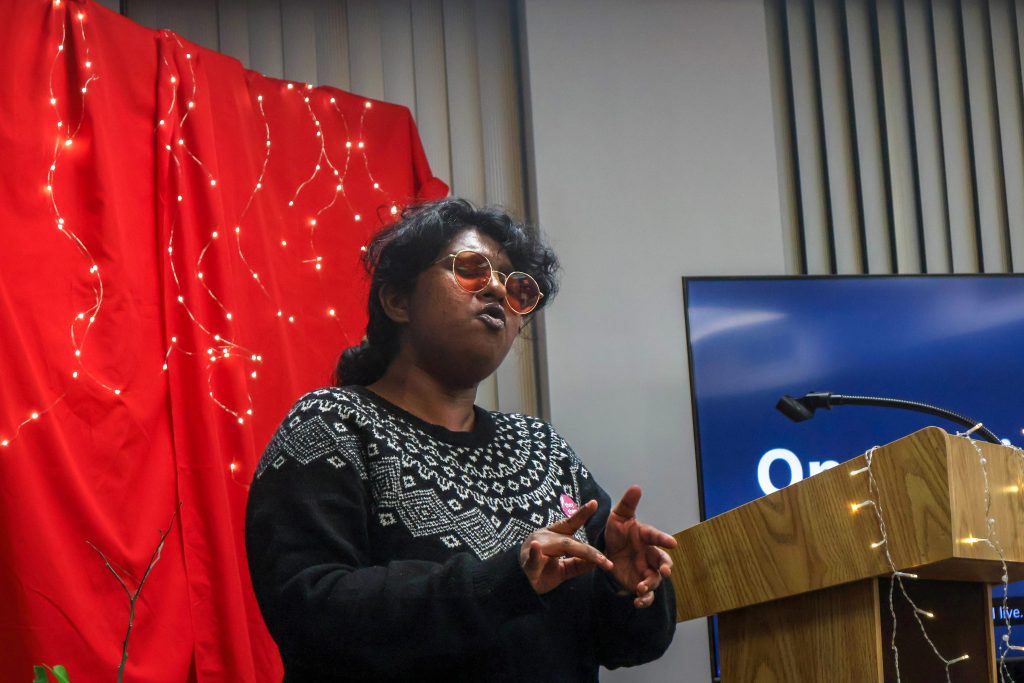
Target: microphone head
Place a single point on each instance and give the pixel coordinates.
(795, 409)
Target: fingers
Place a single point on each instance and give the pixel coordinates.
(651, 536)
(626, 507)
(534, 559)
(571, 525)
(644, 601)
(659, 566)
(545, 544)
(573, 567)
(646, 598)
(659, 563)
(649, 584)
(557, 546)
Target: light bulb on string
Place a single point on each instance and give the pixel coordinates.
(227, 345)
(191, 104)
(897, 577)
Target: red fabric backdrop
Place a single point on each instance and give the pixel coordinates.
(107, 276)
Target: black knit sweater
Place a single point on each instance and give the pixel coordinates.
(382, 547)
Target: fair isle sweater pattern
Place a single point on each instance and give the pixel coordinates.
(484, 491)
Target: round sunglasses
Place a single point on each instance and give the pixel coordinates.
(473, 273)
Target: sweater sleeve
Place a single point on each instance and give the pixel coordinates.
(623, 634)
(327, 605)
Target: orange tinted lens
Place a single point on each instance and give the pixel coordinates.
(472, 271)
(521, 292)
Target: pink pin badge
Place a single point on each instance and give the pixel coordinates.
(569, 506)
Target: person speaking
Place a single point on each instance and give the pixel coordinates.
(397, 531)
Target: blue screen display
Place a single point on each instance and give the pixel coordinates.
(952, 341)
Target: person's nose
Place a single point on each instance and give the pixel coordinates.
(495, 286)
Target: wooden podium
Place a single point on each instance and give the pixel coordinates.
(802, 596)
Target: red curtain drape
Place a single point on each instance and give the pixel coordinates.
(164, 297)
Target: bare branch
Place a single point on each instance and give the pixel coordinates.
(132, 597)
(112, 570)
(155, 557)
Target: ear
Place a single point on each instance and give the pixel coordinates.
(395, 303)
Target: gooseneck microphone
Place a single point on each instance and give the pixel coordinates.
(800, 409)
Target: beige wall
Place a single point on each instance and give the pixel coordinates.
(654, 158)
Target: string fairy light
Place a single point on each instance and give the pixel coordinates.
(32, 417)
(67, 133)
(65, 138)
(172, 128)
(323, 158)
(257, 186)
(1007, 645)
(223, 345)
(896, 576)
(340, 172)
(393, 207)
(991, 540)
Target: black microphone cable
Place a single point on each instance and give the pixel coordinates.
(800, 409)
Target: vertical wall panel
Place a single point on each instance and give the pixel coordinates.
(112, 5)
(987, 147)
(789, 187)
(331, 31)
(233, 30)
(396, 33)
(193, 19)
(502, 146)
(1017, 236)
(498, 106)
(955, 136)
(899, 138)
(299, 45)
(1010, 96)
(266, 46)
(928, 137)
(806, 115)
(869, 144)
(466, 128)
(839, 152)
(909, 132)
(365, 59)
(428, 44)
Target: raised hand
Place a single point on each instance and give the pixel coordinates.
(551, 556)
(636, 550)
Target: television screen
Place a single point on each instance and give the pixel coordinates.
(951, 341)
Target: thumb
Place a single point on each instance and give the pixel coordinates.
(626, 507)
(533, 559)
(571, 525)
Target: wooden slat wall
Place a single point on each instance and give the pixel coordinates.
(902, 134)
(453, 63)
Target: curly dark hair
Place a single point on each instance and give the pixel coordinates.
(400, 252)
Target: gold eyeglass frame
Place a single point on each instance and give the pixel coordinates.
(502, 280)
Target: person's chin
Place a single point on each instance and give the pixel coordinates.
(478, 361)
